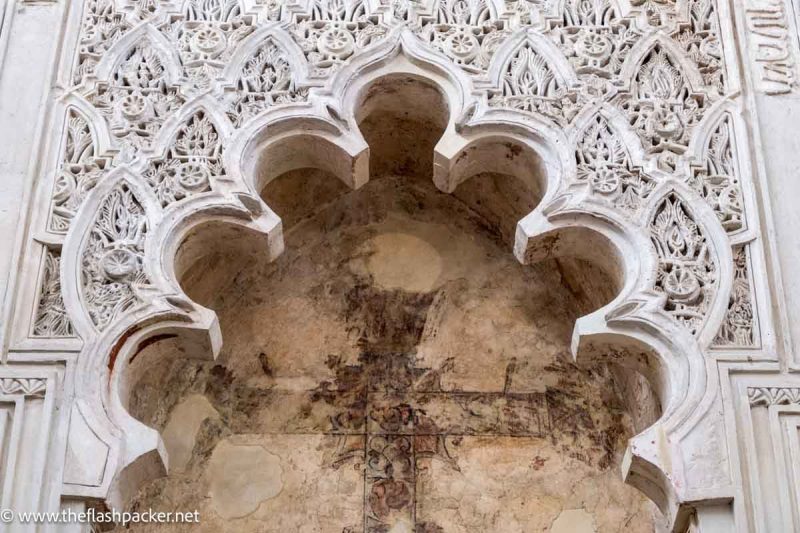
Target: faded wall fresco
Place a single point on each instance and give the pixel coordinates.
(396, 370)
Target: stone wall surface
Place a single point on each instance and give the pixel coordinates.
(383, 266)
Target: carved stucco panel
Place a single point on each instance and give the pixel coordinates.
(631, 96)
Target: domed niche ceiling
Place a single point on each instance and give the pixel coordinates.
(396, 369)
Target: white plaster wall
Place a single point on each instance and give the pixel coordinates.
(30, 39)
(778, 120)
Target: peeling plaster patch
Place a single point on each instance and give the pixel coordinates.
(402, 527)
(180, 432)
(241, 477)
(404, 261)
(573, 521)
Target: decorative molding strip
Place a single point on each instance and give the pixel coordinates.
(767, 396)
(32, 387)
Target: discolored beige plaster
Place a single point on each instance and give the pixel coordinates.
(242, 476)
(522, 484)
(403, 261)
(573, 521)
(181, 430)
(395, 370)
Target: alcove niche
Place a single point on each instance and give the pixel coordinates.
(396, 369)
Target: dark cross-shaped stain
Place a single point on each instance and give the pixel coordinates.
(391, 414)
(388, 411)
(394, 415)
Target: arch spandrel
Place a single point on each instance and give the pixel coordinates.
(612, 143)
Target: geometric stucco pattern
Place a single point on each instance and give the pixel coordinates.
(642, 90)
(633, 106)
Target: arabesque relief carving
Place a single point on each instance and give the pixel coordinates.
(631, 116)
(591, 42)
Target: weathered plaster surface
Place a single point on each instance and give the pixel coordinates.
(395, 317)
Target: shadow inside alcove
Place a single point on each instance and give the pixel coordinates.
(395, 369)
